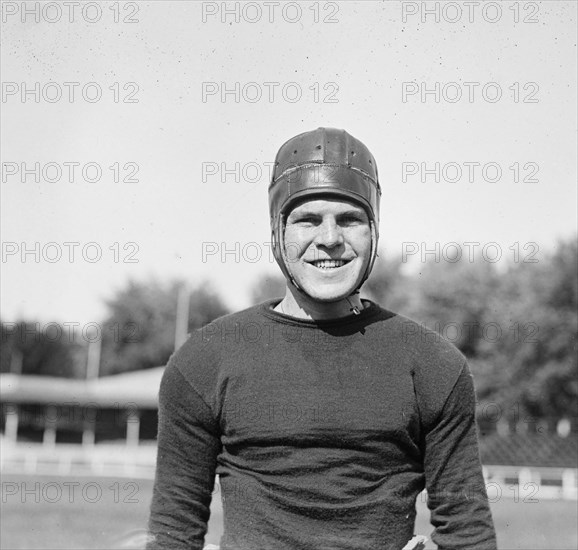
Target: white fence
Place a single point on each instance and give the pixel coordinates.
(526, 484)
(530, 484)
(112, 460)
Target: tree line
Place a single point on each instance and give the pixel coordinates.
(517, 324)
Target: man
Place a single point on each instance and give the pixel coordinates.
(323, 414)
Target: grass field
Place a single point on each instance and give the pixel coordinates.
(99, 513)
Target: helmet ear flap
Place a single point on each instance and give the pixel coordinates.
(279, 249)
(372, 258)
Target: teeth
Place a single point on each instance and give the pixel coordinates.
(328, 264)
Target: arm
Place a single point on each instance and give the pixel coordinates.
(188, 446)
(457, 496)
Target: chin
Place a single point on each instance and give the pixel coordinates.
(329, 295)
(328, 289)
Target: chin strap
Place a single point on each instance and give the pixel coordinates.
(353, 308)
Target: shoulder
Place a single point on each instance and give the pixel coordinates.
(423, 348)
(198, 359)
(227, 327)
(213, 336)
(434, 363)
(429, 348)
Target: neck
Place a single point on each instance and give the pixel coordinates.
(300, 305)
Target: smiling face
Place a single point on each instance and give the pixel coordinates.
(328, 247)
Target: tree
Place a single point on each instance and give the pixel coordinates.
(140, 330)
(518, 326)
(45, 350)
(537, 356)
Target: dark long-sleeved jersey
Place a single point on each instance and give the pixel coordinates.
(322, 433)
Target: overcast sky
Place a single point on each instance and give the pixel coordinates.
(361, 67)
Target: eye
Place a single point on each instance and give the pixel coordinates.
(352, 219)
(304, 220)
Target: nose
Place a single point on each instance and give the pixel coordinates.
(329, 234)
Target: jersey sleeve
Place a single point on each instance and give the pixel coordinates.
(188, 446)
(455, 485)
